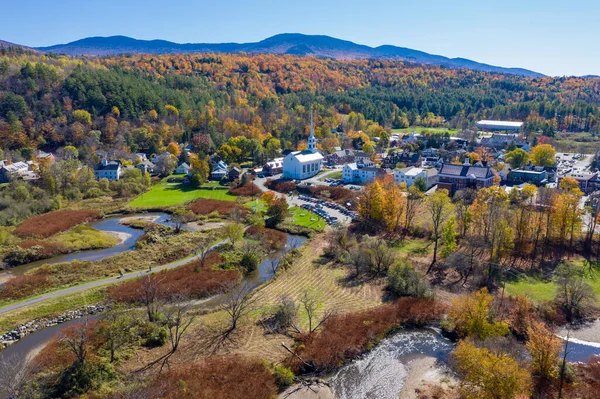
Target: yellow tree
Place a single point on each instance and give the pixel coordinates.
(472, 317)
(394, 204)
(370, 204)
(174, 148)
(489, 375)
(543, 155)
(544, 348)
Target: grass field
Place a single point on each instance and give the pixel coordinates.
(260, 205)
(167, 194)
(540, 290)
(420, 129)
(334, 175)
(302, 217)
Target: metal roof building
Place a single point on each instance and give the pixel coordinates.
(499, 125)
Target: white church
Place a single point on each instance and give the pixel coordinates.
(304, 164)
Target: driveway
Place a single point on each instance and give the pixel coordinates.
(99, 283)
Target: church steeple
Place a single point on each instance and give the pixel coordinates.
(312, 141)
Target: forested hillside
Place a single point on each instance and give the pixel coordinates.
(144, 101)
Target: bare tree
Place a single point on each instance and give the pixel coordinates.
(273, 264)
(77, 342)
(238, 305)
(310, 303)
(203, 248)
(116, 330)
(16, 373)
(148, 294)
(177, 319)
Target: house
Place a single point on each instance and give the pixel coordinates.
(497, 140)
(17, 170)
(340, 157)
(413, 138)
(404, 157)
(362, 157)
(183, 169)
(432, 162)
(234, 173)
(355, 173)
(410, 174)
(273, 167)
(303, 164)
(219, 170)
(110, 170)
(458, 177)
(43, 156)
(145, 166)
(588, 182)
(532, 176)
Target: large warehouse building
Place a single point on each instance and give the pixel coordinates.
(499, 125)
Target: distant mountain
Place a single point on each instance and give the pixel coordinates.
(286, 43)
(4, 43)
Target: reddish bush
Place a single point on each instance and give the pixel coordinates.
(25, 285)
(348, 335)
(50, 223)
(282, 186)
(337, 194)
(183, 281)
(247, 190)
(208, 206)
(269, 237)
(217, 377)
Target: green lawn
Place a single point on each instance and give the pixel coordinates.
(302, 217)
(415, 247)
(253, 204)
(167, 194)
(540, 290)
(334, 175)
(421, 129)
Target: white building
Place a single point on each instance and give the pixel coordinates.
(356, 173)
(183, 169)
(110, 170)
(409, 175)
(499, 125)
(303, 164)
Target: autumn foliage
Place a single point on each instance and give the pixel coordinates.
(190, 281)
(269, 237)
(50, 223)
(220, 377)
(208, 206)
(247, 190)
(348, 335)
(25, 285)
(337, 194)
(282, 186)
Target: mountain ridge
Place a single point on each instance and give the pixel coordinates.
(285, 43)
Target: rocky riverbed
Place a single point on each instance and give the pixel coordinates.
(23, 330)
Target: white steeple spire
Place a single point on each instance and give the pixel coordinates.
(312, 142)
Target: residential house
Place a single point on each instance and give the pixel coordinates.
(410, 174)
(110, 170)
(183, 169)
(340, 157)
(146, 167)
(404, 157)
(219, 171)
(43, 156)
(273, 167)
(355, 173)
(458, 177)
(234, 173)
(432, 162)
(361, 157)
(17, 170)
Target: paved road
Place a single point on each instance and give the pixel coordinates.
(98, 283)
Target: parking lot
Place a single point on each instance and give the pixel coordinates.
(330, 211)
(573, 163)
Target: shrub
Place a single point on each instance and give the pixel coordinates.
(285, 376)
(221, 377)
(337, 194)
(48, 224)
(403, 280)
(154, 335)
(208, 206)
(25, 285)
(270, 238)
(282, 186)
(249, 262)
(348, 335)
(247, 190)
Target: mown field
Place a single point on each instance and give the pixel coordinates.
(302, 217)
(167, 194)
(421, 129)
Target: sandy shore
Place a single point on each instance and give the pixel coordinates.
(320, 392)
(424, 374)
(149, 218)
(589, 332)
(122, 236)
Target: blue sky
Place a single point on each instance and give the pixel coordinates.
(552, 37)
